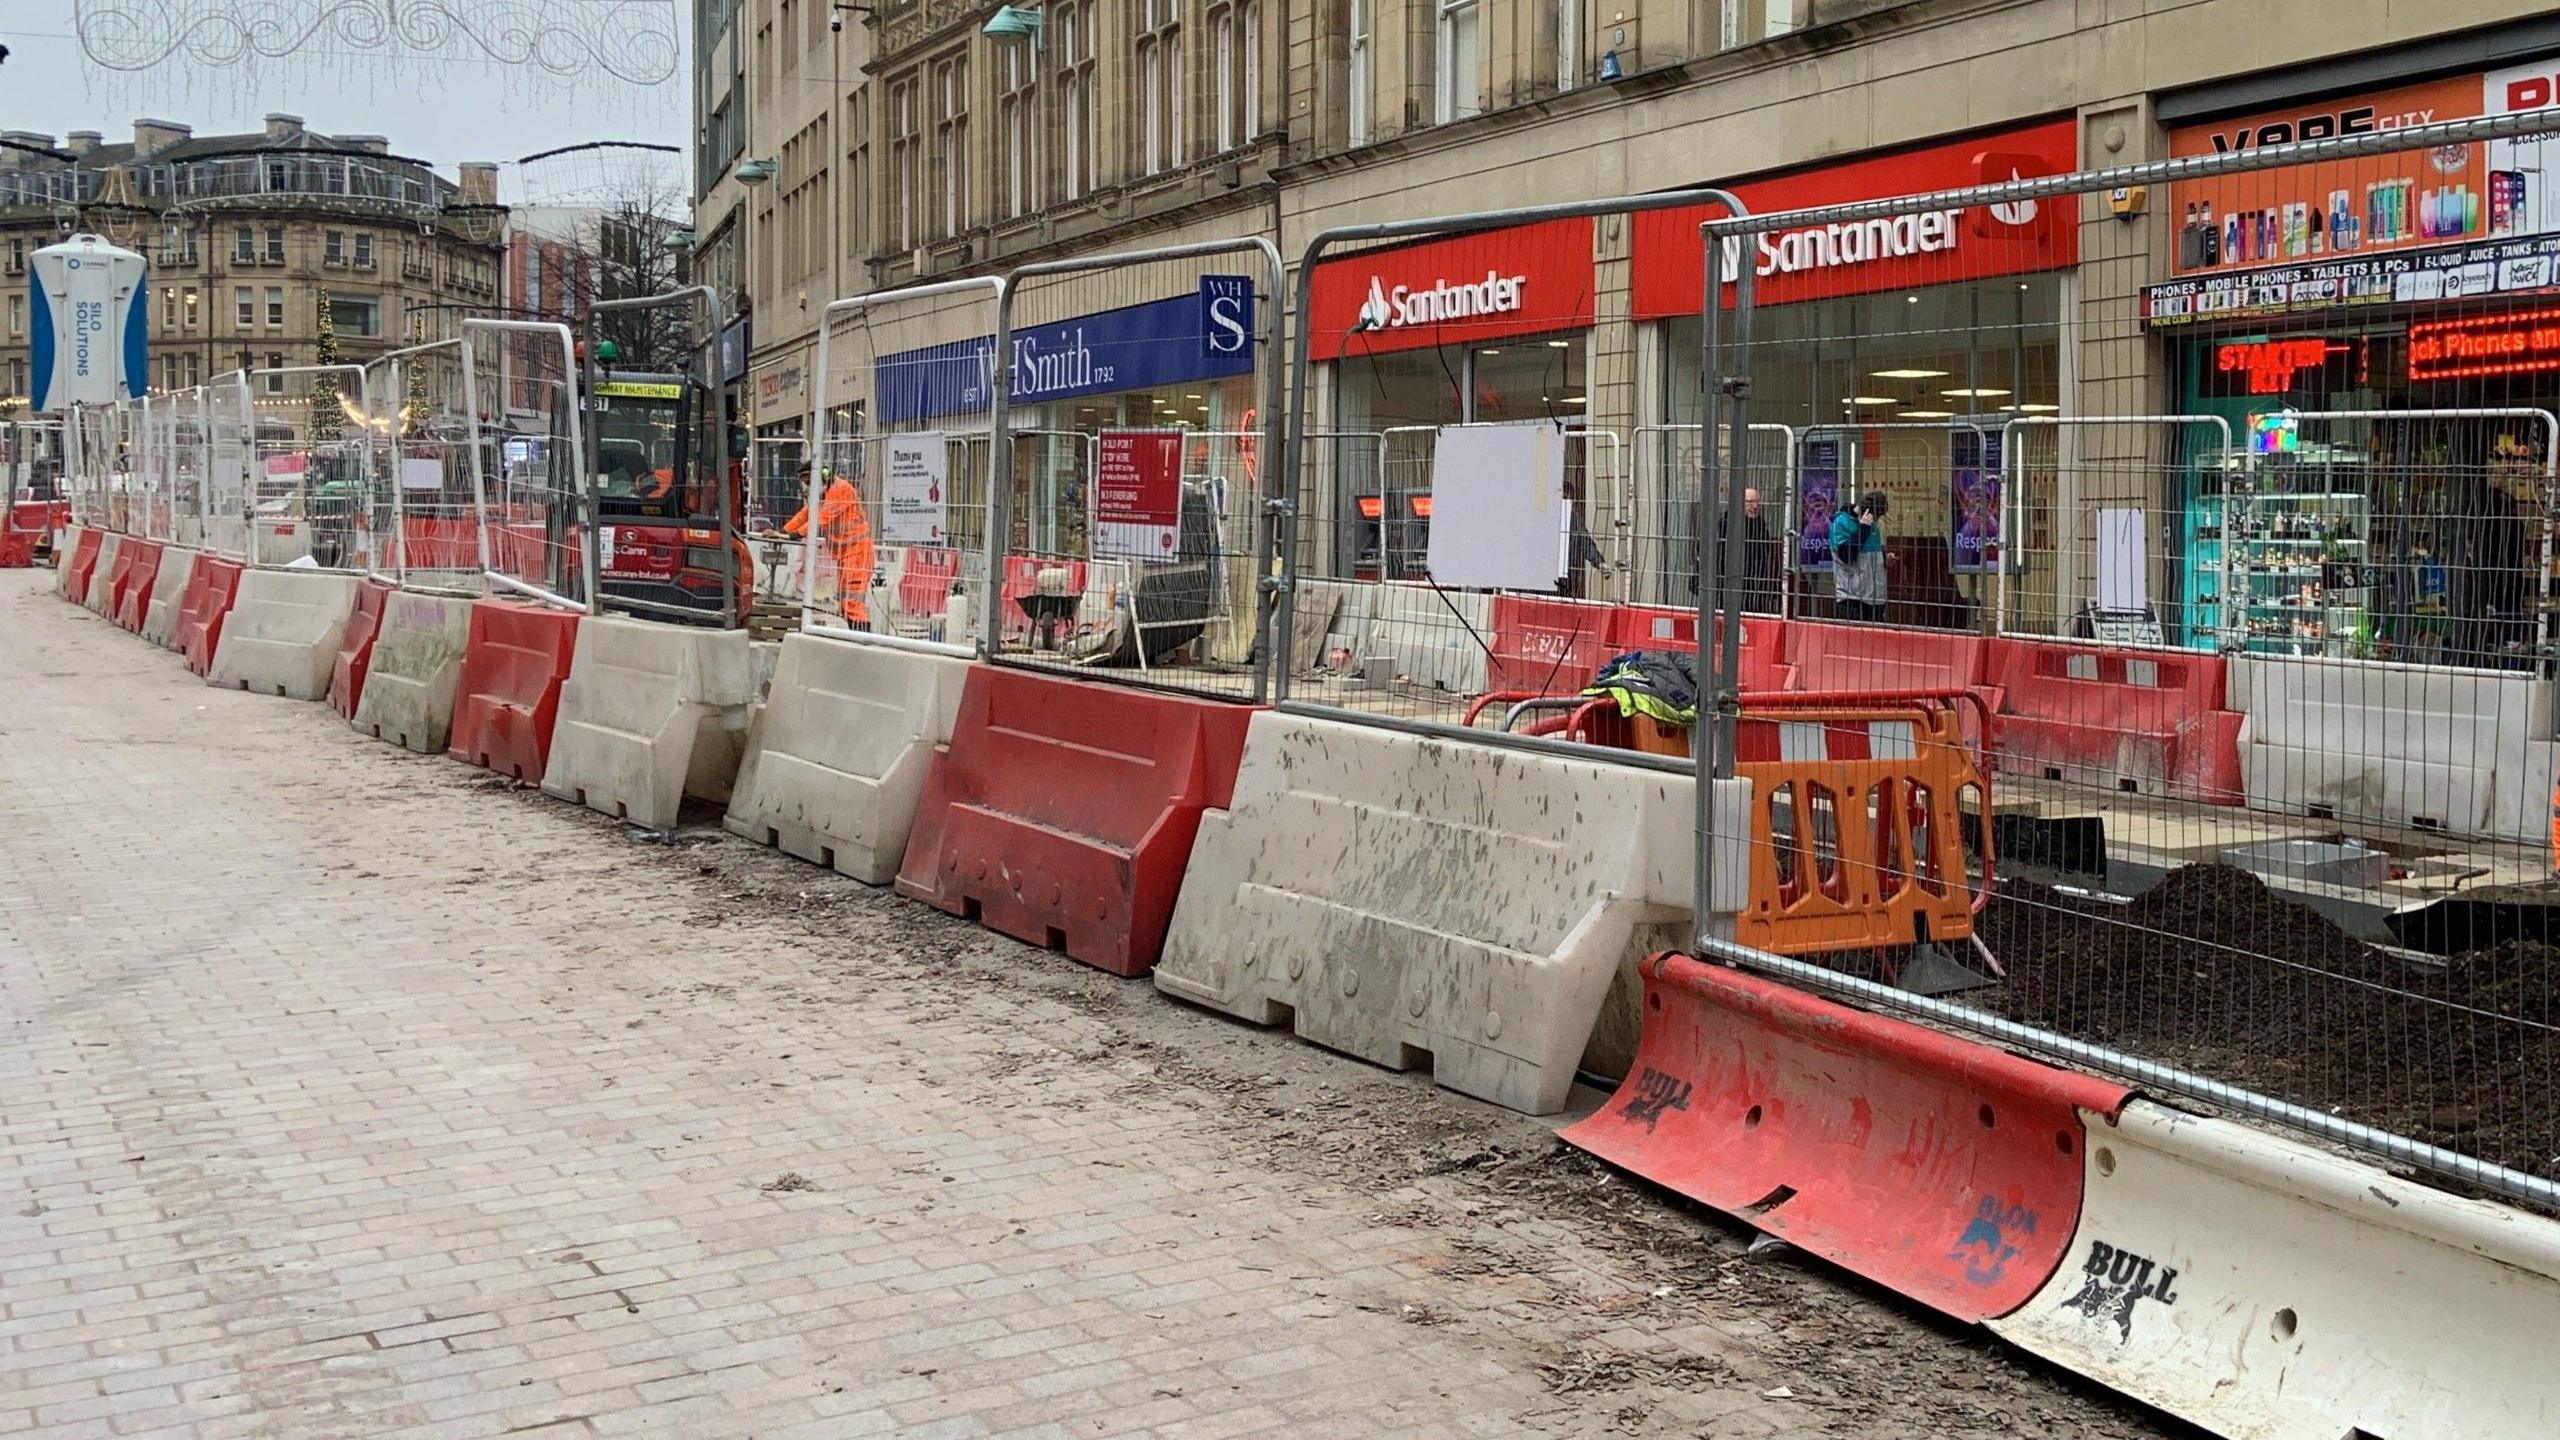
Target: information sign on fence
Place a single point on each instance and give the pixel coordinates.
(914, 489)
(1137, 493)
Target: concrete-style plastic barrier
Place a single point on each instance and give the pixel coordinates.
(203, 607)
(168, 588)
(650, 713)
(137, 569)
(101, 580)
(2264, 1288)
(417, 659)
(1420, 901)
(837, 759)
(507, 697)
(2410, 745)
(354, 659)
(282, 634)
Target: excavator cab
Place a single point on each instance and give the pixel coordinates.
(665, 500)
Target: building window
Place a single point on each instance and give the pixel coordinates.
(168, 373)
(275, 307)
(194, 312)
(275, 244)
(333, 249)
(1568, 44)
(245, 246)
(168, 307)
(1748, 22)
(1074, 42)
(359, 318)
(1226, 64)
(17, 314)
(904, 142)
(246, 300)
(275, 374)
(195, 370)
(364, 251)
(951, 143)
(1159, 85)
(1249, 34)
(1020, 125)
(857, 237)
(1459, 71)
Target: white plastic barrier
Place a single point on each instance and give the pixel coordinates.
(417, 662)
(650, 713)
(100, 576)
(281, 637)
(837, 760)
(168, 587)
(66, 543)
(1411, 900)
(2265, 1289)
(1438, 637)
(2407, 745)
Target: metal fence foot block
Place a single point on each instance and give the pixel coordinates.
(836, 764)
(282, 635)
(1062, 811)
(2265, 1289)
(507, 696)
(633, 711)
(354, 660)
(1416, 901)
(415, 668)
(1939, 1168)
(168, 587)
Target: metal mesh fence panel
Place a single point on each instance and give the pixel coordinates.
(310, 482)
(2168, 676)
(524, 436)
(1129, 511)
(227, 439)
(881, 530)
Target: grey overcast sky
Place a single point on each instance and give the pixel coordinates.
(451, 103)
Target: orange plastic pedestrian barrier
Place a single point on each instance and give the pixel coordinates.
(1857, 821)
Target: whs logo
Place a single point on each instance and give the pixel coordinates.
(1374, 311)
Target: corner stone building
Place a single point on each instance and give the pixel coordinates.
(245, 234)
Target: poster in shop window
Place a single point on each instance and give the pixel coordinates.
(1817, 500)
(1973, 501)
(1499, 517)
(916, 481)
(1137, 494)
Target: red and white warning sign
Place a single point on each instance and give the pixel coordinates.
(1137, 494)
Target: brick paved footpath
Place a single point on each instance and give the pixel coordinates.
(344, 1096)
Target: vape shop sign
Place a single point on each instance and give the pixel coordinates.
(2447, 223)
(1137, 494)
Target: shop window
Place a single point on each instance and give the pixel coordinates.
(1459, 67)
(359, 318)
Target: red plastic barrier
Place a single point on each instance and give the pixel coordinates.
(439, 542)
(23, 526)
(1663, 627)
(1547, 645)
(355, 648)
(1944, 1170)
(2146, 720)
(129, 585)
(508, 696)
(1062, 811)
(84, 563)
(211, 588)
(924, 587)
(1840, 659)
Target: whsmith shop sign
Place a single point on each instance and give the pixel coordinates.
(1207, 336)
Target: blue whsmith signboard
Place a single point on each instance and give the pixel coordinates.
(1207, 336)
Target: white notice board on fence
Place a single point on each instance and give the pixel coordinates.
(421, 474)
(1499, 519)
(915, 489)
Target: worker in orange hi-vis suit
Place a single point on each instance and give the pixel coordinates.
(847, 533)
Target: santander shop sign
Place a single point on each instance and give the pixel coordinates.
(1525, 280)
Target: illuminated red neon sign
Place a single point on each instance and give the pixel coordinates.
(2271, 364)
(2478, 345)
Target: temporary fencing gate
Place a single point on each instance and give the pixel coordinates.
(422, 514)
(1129, 508)
(526, 439)
(2277, 668)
